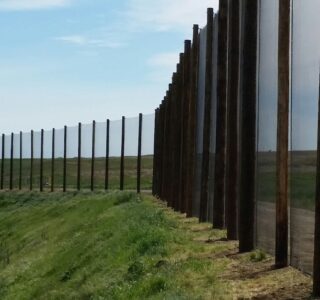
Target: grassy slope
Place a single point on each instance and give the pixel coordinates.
(98, 246)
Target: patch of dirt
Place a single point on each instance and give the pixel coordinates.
(248, 279)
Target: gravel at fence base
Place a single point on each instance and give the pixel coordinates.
(301, 234)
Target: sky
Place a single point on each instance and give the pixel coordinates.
(66, 61)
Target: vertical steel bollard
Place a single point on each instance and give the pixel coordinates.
(65, 159)
(31, 161)
(53, 158)
(122, 154)
(20, 161)
(11, 163)
(93, 154)
(106, 181)
(139, 154)
(248, 127)
(232, 161)
(207, 121)
(79, 158)
(220, 155)
(283, 134)
(41, 161)
(2, 161)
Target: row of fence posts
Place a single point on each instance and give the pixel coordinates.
(235, 159)
(79, 157)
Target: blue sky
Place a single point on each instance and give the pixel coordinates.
(65, 61)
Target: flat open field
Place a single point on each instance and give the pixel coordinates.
(124, 246)
(302, 180)
(114, 173)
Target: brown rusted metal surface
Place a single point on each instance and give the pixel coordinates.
(248, 126)
(192, 119)
(283, 134)
(207, 121)
(232, 164)
(220, 153)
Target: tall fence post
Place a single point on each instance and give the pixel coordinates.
(79, 158)
(139, 154)
(53, 158)
(232, 161)
(106, 181)
(192, 119)
(283, 134)
(41, 160)
(316, 260)
(122, 154)
(207, 120)
(93, 154)
(220, 155)
(172, 143)
(31, 160)
(155, 155)
(20, 161)
(248, 127)
(2, 160)
(11, 163)
(65, 139)
(163, 148)
(166, 147)
(185, 101)
(178, 130)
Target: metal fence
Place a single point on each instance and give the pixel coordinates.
(236, 134)
(101, 155)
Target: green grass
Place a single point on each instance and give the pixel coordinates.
(114, 173)
(101, 246)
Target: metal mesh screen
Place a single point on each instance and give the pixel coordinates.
(16, 161)
(131, 150)
(6, 163)
(200, 120)
(86, 154)
(305, 80)
(26, 163)
(267, 124)
(115, 153)
(147, 151)
(47, 161)
(58, 162)
(72, 157)
(100, 154)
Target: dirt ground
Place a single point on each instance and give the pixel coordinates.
(251, 279)
(248, 278)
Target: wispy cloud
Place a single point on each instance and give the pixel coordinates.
(163, 15)
(82, 40)
(72, 39)
(31, 4)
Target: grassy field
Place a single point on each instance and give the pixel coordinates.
(97, 246)
(114, 173)
(123, 246)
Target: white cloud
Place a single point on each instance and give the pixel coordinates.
(82, 40)
(163, 15)
(72, 39)
(31, 4)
